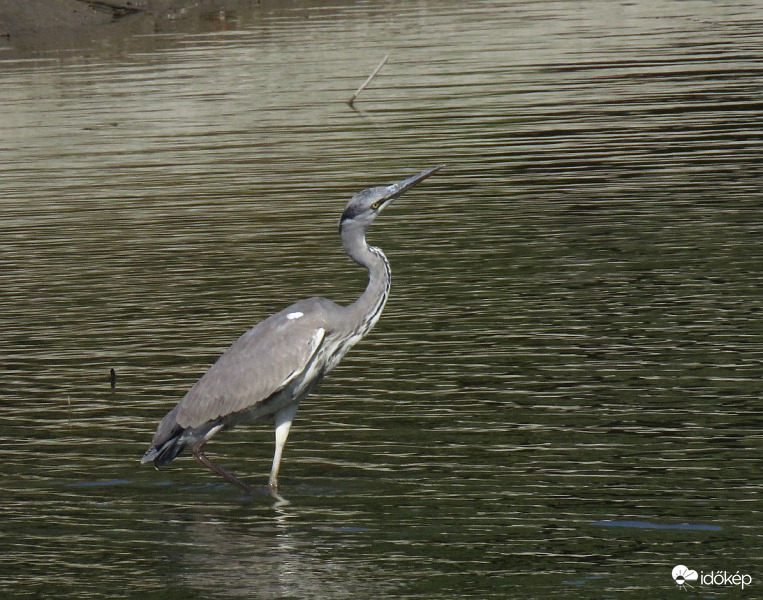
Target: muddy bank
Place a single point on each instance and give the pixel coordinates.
(20, 18)
(44, 24)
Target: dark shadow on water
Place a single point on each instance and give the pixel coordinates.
(651, 525)
(102, 483)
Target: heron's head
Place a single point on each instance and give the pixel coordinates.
(363, 207)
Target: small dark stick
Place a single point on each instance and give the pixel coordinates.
(351, 102)
(113, 379)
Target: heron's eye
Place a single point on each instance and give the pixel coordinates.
(375, 205)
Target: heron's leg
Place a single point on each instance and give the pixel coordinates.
(202, 459)
(284, 417)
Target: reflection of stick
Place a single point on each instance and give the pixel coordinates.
(367, 81)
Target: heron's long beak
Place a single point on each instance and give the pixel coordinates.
(396, 189)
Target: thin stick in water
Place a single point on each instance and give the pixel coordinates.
(367, 81)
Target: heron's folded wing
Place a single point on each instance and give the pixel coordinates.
(259, 364)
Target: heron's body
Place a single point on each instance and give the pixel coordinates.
(274, 365)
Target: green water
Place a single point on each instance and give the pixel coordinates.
(562, 398)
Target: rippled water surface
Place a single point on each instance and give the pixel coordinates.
(563, 395)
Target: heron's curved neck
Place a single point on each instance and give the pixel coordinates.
(367, 308)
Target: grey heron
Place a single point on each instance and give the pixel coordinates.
(274, 365)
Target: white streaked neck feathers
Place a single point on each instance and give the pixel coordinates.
(365, 311)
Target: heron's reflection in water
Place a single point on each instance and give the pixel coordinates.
(286, 555)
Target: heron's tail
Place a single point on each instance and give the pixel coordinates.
(164, 454)
(165, 451)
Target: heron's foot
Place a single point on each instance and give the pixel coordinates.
(202, 458)
(280, 500)
(244, 487)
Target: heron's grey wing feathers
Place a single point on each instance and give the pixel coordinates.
(260, 363)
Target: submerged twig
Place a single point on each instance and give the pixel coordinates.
(351, 102)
